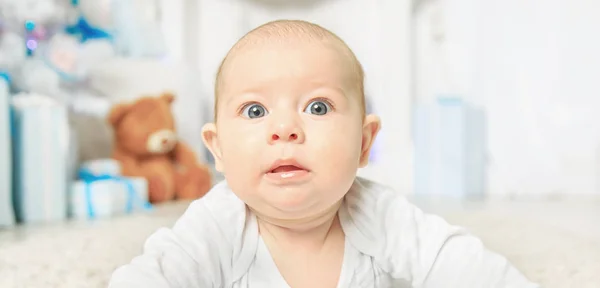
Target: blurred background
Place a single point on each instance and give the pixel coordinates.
(490, 106)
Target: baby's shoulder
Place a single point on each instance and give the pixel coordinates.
(372, 212)
(373, 197)
(221, 197)
(384, 224)
(222, 209)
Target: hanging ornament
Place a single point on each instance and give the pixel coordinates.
(84, 31)
(61, 55)
(93, 22)
(30, 40)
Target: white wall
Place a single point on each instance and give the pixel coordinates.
(534, 65)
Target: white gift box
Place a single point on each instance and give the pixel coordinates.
(40, 151)
(108, 197)
(7, 216)
(450, 144)
(102, 167)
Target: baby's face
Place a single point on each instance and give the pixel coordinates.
(290, 128)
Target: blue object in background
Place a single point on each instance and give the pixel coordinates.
(7, 215)
(104, 195)
(85, 31)
(450, 144)
(40, 153)
(101, 191)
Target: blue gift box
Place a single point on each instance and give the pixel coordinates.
(40, 153)
(450, 142)
(106, 195)
(7, 216)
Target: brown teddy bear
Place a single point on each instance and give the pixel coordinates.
(146, 145)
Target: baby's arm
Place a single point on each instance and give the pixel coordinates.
(463, 261)
(448, 256)
(184, 256)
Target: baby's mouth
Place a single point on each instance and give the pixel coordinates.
(286, 168)
(287, 172)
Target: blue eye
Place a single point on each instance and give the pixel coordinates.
(318, 107)
(254, 111)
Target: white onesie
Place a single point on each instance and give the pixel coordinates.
(389, 243)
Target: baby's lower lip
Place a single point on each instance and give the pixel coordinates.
(288, 177)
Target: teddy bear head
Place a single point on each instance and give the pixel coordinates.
(144, 127)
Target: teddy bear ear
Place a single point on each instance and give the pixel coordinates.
(117, 113)
(169, 97)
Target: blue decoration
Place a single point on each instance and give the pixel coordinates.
(5, 76)
(132, 198)
(29, 25)
(7, 215)
(85, 31)
(31, 43)
(75, 2)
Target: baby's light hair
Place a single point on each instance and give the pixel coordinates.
(292, 30)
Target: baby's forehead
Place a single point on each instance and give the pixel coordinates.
(287, 66)
(299, 44)
(286, 53)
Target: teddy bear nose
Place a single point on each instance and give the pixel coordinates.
(165, 141)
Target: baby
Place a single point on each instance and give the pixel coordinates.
(290, 133)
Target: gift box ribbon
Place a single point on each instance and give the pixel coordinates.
(5, 76)
(132, 197)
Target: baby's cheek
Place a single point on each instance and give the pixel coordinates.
(341, 135)
(241, 149)
(242, 134)
(339, 148)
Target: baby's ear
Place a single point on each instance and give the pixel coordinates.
(117, 113)
(209, 136)
(168, 97)
(371, 127)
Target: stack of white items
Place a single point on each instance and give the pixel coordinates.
(450, 142)
(102, 192)
(41, 151)
(7, 216)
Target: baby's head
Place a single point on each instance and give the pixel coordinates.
(290, 128)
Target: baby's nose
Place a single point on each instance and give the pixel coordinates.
(287, 134)
(291, 137)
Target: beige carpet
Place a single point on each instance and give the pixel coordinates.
(556, 244)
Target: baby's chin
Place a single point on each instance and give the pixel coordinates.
(294, 209)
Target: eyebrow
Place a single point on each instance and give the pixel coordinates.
(245, 94)
(315, 85)
(253, 92)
